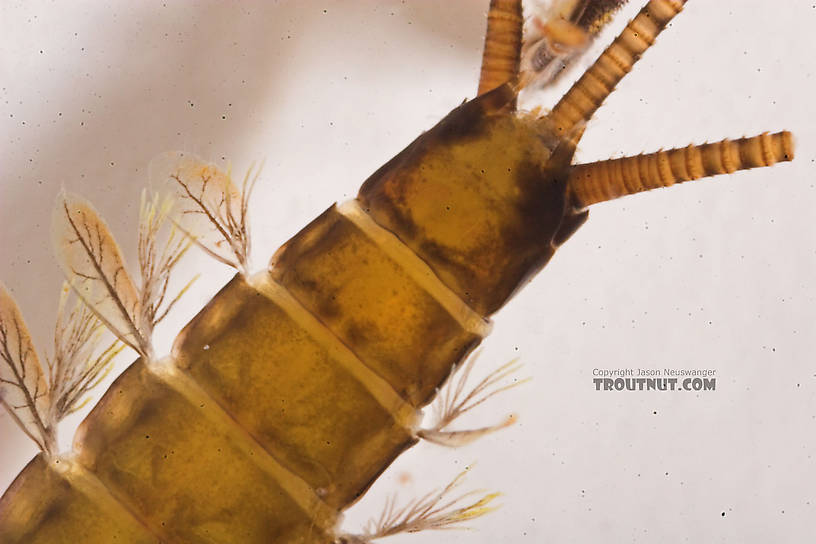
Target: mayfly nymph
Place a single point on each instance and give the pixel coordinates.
(296, 386)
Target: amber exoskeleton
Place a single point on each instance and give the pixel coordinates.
(298, 386)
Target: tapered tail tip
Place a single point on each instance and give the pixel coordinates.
(606, 180)
(787, 145)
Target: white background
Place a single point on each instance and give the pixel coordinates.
(714, 274)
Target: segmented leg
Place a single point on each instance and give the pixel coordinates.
(606, 180)
(559, 34)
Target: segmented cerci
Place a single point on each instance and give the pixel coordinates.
(295, 387)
